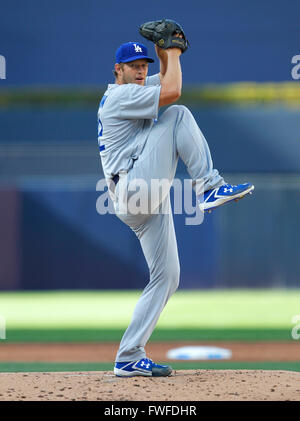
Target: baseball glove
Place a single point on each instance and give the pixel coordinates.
(163, 33)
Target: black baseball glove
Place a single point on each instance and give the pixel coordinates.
(163, 33)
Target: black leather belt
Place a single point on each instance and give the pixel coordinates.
(116, 179)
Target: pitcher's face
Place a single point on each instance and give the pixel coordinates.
(133, 72)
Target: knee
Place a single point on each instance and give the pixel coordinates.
(177, 109)
(166, 276)
(174, 276)
(177, 113)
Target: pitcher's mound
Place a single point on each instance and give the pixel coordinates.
(183, 385)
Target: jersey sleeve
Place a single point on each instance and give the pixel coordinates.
(139, 102)
(153, 80)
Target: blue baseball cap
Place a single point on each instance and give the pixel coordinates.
(132, 51)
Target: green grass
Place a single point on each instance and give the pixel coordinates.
(186, 309)
(189, 315)
(159, 335)
(17, 367)
(101, 316)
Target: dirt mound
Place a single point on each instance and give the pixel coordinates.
(183, 385)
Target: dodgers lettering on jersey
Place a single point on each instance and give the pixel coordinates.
(126, 115)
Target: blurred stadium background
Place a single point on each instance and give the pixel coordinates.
(238, 84)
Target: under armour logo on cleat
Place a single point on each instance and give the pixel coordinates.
(226, 190)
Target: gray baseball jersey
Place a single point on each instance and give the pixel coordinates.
(125, 117)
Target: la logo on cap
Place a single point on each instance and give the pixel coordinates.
(137, 48)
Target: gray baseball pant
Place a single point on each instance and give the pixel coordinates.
(176, 134)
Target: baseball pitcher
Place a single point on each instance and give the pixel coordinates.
(136, 143)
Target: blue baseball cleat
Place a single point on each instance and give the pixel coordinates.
(143, 367)
(220, 195)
